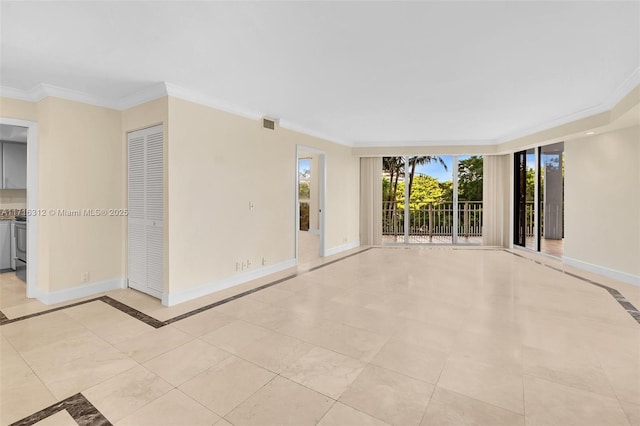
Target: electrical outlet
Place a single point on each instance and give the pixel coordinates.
(237, 266)
(264, 261)
(248, 263)
(84, 277)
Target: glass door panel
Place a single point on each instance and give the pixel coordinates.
(393, 199)
(551, 196)
(470, 171)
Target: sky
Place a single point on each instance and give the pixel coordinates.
(436, 170)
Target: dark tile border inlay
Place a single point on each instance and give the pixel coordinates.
(156, 323)
(78, 407)
(626, 305)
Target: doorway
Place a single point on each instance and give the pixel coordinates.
(539, 199)
(30, 197)
(310, 187)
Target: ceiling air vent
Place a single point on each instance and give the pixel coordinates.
(268, 123)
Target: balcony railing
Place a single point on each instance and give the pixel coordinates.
(433, 220)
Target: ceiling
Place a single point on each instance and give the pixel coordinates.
(362, 73)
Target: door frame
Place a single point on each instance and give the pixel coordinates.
(32, 202)
(322, 184)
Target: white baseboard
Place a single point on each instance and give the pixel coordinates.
(53, 297)
(340, 249)
(241, 278)
(607, 272)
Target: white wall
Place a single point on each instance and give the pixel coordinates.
(602, 202)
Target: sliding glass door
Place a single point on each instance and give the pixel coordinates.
(432, 199)
(538, 222)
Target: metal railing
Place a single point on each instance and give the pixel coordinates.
(433, 219)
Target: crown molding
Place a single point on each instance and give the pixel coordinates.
(611, 101)
(162, 89)
(623, 90)
(148, 94)
(438, 142)
(44, 90)
(198, 98)
(289, 125)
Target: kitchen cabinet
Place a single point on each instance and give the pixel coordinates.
(14, 165)
(5, 244)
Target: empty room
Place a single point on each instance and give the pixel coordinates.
(320, 213)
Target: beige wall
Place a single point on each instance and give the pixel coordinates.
(218, 164)
(80, 167)
(13, 198)
(602, 200)
(20, 110)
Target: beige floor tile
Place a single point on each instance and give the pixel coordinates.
(156, 342)
(415, 361)
(499, 350)
(12, 366)
(126, 393)
(389, 396)
(275, 351)
(78, 346)
(121, 331)
(71, 377)
(96, 314)
(578, 369)
(172, 408)
(23, 398)
(281, 402)
(186, 361)
(31, 306)
(204, 322)
(343, 415)
(448, 408)
(427, 334)
(235, 336)
(633, 412)
(164, 313)
(222, 422)
(324, 371)
(487, 383)
(225, 385)
(40, 330)
(354, 342)
(271, 295)
(61, 418)
(275, 317)
(549, 403)
(624, 376)
(241, 307)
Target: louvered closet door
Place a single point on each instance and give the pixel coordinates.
(146, 210)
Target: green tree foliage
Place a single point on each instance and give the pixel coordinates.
(531, 185)
(447, 190)
(304, 192)
(470, 179)
(425, 190)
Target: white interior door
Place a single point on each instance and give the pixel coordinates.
(146, 210)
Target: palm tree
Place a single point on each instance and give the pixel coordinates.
(419, 161)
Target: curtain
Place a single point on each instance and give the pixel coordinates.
(371, 201)
(496, 198)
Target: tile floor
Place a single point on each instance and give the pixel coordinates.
(389, 336)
